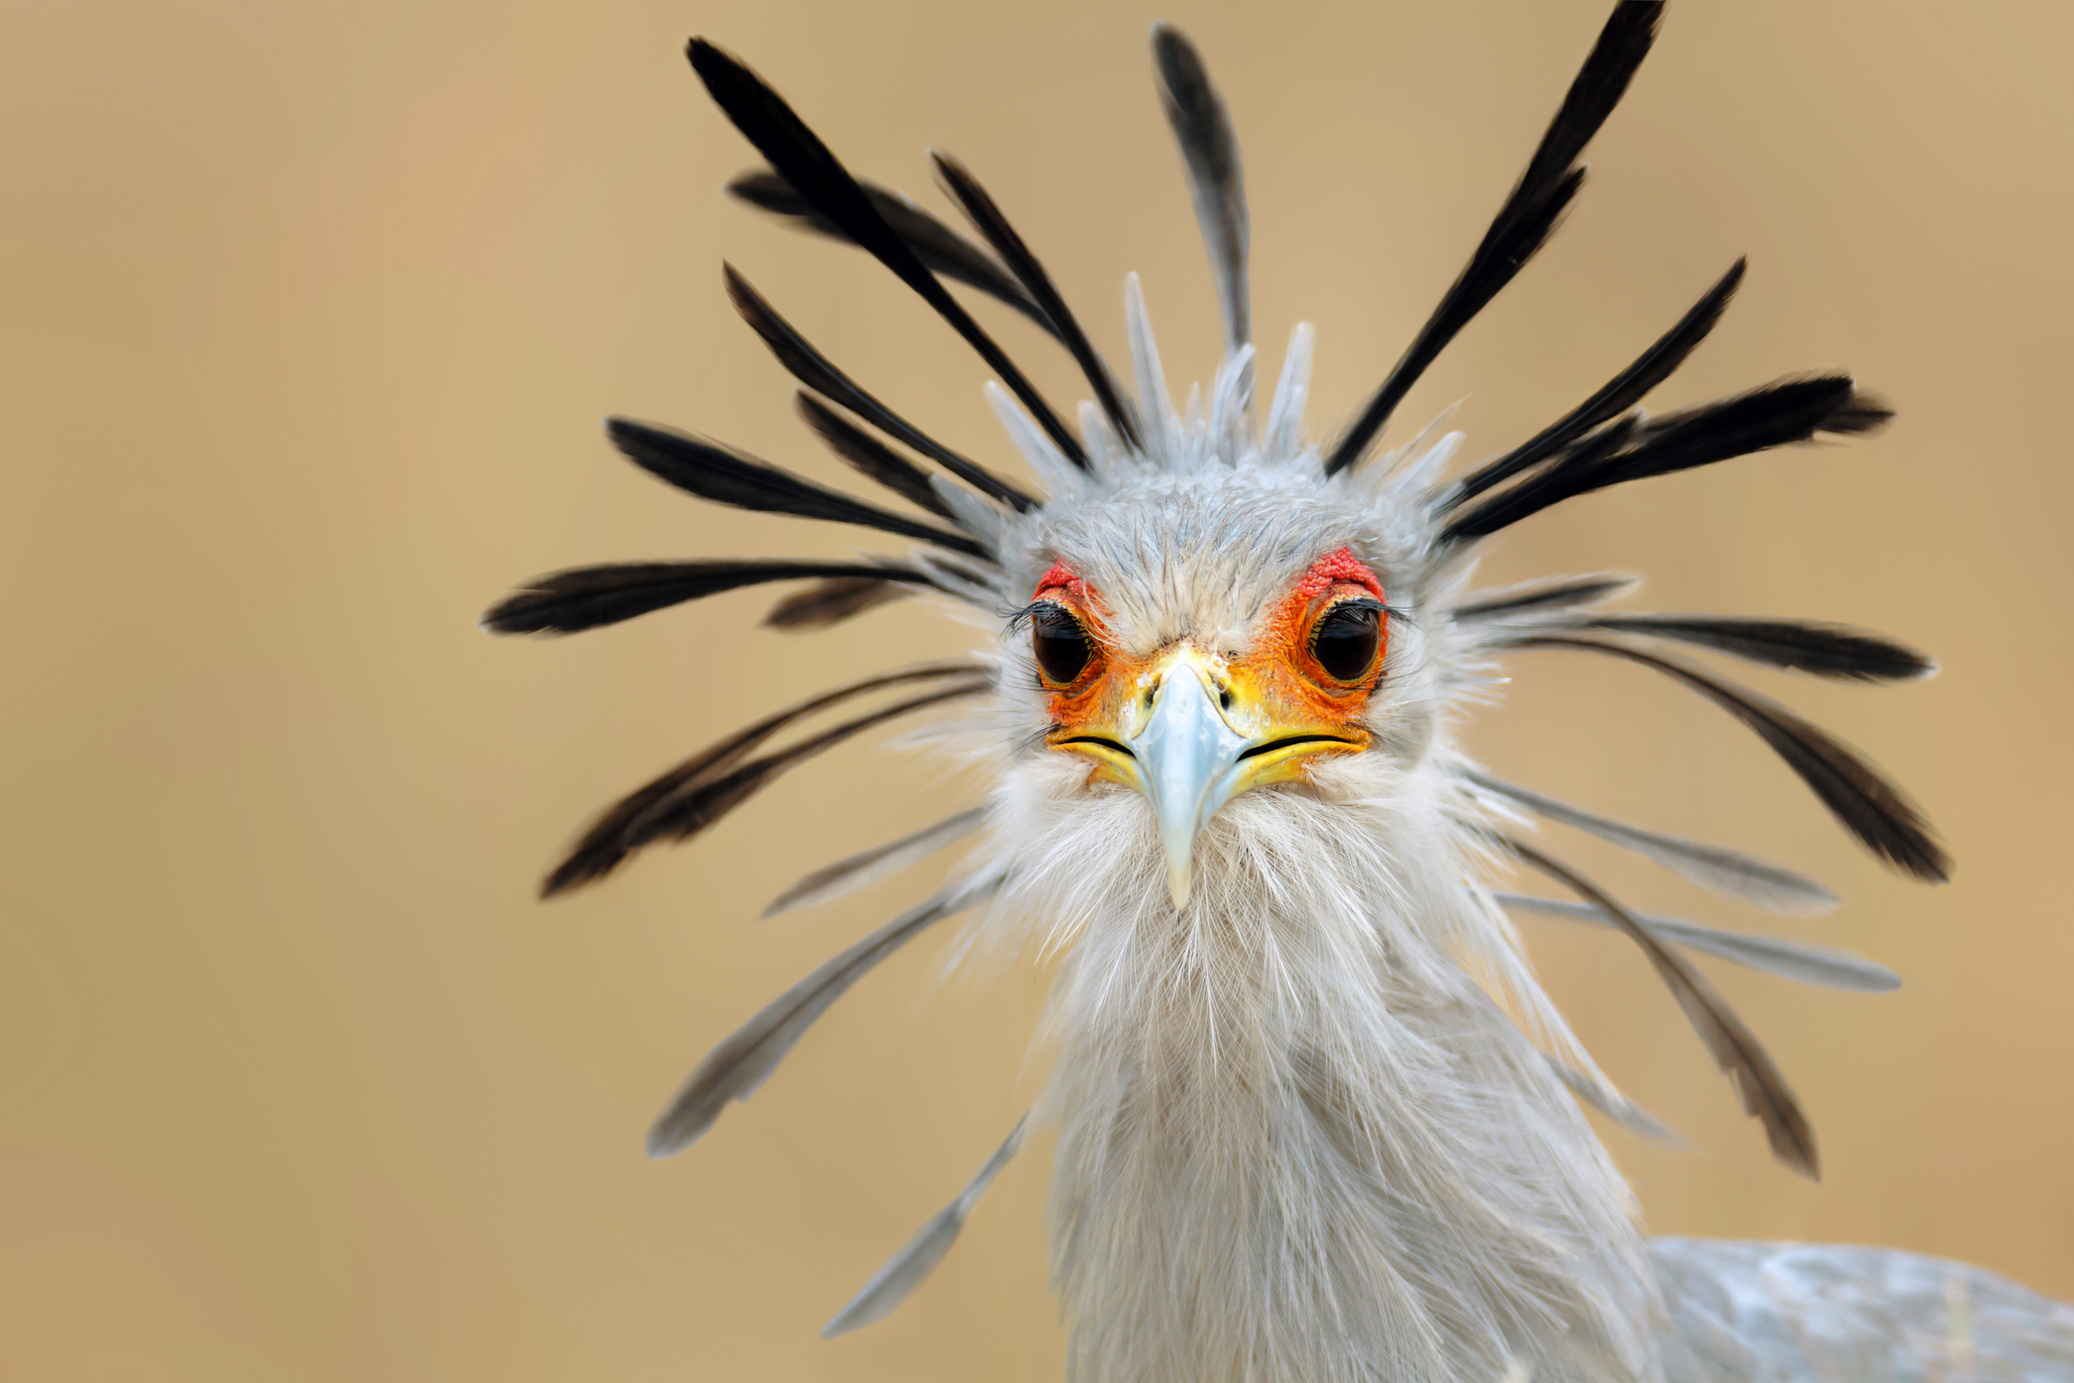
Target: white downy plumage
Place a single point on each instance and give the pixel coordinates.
(1314, 1114)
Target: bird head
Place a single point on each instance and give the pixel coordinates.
(1187, 644)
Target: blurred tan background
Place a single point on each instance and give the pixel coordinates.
(310, 314)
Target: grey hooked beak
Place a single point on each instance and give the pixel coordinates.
(1188, 761)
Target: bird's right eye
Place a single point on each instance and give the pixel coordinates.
(1061, 645)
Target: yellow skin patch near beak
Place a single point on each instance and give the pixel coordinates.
(1192, 728)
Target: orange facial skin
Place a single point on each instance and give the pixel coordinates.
(1275, 692)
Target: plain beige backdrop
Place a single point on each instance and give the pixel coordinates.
(309, 314)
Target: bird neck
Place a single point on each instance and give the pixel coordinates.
(1296, 1141)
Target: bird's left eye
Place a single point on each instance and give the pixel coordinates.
(1060, 644)
(1346, 640)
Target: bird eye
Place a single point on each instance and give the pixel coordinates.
(1346, 640)
(1059, 642)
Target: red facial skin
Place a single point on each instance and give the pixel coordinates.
(1277, 688)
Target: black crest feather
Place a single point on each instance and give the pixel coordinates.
(813, 171)
(1822, 650)
(868, 456)
(714, 781)
(565, 602)
(935, 244)
(1863, 802)
(1216, 184)
(987, 216)
(724, 476)
(1619, 394)
(1523, 224)
(1778, 414)
(813, 369)
(1567, 593)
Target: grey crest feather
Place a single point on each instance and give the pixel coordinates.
(904, 1271)
(1793, 960)
(971, 513)
(735, 1068)
(1608, 1101)
(867, 867)
(1724, 871)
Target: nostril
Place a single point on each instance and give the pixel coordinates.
(1224, 697)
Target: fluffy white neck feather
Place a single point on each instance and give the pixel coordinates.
(1296, 1141)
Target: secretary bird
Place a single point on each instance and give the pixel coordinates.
(1316, 1119)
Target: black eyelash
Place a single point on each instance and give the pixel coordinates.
(1361, 602)
(1021, 617)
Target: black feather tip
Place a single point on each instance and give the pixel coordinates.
(567, 602)
(1862, 801)
(812, 170)
(833, 600)
(944, 250)
(1776, 415)
(710, 784)
(1524, 223)
(724, 476)
(814, 370)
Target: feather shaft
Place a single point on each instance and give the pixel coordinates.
(868, 456)
(1778, 414)
(1619, 394)
(1564, 594)
(986, 215)
(721, 475)
(1821, 650)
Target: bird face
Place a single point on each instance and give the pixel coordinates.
(1192, 725)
